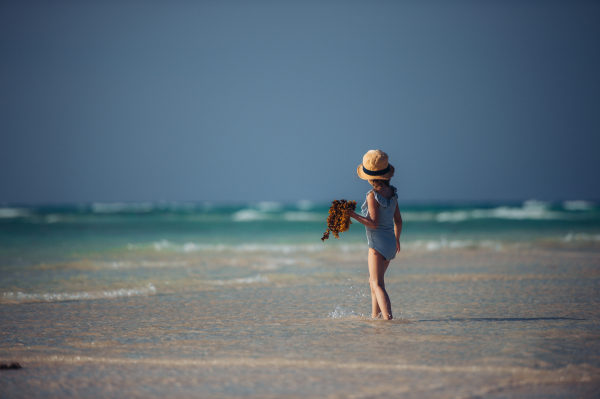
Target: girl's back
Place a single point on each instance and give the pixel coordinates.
(386, 199)
(386, 192)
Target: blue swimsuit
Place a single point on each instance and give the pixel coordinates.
(383, 239)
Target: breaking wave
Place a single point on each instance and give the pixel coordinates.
(304, 217)
(9, 213)
(417, 245)
(300, 212)
(20, 297)
(122, 207)
(194, 247)
(437, 245)
(247, 280)
(530, 210)
(578, 205)
(571, 237)
(249, 215)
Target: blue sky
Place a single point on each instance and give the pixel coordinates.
(279, 100)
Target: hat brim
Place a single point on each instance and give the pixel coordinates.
(365, 176)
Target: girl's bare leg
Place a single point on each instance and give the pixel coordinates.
(374, 304)
(379, 297)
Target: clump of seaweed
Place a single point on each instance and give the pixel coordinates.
(338, 220)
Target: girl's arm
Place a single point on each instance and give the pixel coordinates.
(372, 221)
(397, 227)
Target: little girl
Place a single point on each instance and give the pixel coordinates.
(383, 224)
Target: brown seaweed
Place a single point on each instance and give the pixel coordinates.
(338, 220)
(12, 366)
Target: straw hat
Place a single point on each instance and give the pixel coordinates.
(375, 166)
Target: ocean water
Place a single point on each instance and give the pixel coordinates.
(210, 300)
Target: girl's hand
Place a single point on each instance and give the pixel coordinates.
(397, 246)
(351, 213)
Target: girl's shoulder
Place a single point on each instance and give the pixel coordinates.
(373, 196)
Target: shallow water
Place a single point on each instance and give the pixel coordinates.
(138, 306)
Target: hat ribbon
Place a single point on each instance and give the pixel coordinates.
(376, 172)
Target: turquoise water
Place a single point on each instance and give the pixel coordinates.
(227, 300)
(32, 234)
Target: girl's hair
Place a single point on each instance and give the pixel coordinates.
(379, 183)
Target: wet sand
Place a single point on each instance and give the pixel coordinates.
(469, 323)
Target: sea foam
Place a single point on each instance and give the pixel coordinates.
(581, 237)
(578, 205)
(246, 280)
(122, 207)
(20, 297)
(249, 215)
(10, 213)
(530, 210)
(250, 247)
